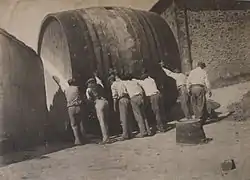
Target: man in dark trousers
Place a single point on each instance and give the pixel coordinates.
(95, 94)
(198, 85)
(75, 111)
(121, 103)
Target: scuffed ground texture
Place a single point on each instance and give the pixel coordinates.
(241, 109)
(157, 157)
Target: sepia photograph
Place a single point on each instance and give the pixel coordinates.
(124, 89)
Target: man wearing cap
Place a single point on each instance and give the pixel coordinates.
(121, 102)
(137, 100)
(198, 85)
(154, 100)
(74, 105)
(94, 93)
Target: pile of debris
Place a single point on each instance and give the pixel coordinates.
(241, 109)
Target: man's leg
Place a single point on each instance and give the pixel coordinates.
(144, 116)
(136, 103)
(124, 117)
(195, 91)
(200, 102)
(82, 116)
(102, 109)
(75, 124)
(155, 101)
(184, 98)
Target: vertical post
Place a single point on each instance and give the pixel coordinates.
(183, 38)
(188, 39)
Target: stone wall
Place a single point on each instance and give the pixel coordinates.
(222, 40)
(219, 38)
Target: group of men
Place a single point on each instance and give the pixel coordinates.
(133, 97)
(193, 89)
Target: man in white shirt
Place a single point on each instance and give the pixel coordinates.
(121, 99)
(198, 85)
(137, 100)
(154, 98)
(180, 79)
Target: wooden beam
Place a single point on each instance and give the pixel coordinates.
(195, 5)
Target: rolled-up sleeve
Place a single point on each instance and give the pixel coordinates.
(114, 91)
(188, 83)
(64, 85)
(87, 94)
(207, 83)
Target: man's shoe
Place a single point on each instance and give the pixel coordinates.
(140, 135)
(124, 138)
(78, 143)
(107, 141)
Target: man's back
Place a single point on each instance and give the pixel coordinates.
(149, 86)
(180, 78)
(133, 88)
(198, 76)
(118, 89)
(72, 94)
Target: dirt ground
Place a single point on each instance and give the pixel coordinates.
(151, 158)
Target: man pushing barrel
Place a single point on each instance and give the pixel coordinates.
(94, 93)
(75, 110)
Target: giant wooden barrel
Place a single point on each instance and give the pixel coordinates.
(22, 95)
(78, 42)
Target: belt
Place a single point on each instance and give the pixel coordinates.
(156, 93)
(200, 85)
(124, 96)
(180, 86)
(137, 95)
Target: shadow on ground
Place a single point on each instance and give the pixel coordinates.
(54, 146)
(220, 118)
(32, 153)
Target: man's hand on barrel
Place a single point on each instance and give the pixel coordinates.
(56, 79)
(209, 93)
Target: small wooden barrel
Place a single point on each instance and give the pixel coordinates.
(190, 132)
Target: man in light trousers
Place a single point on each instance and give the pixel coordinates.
(122, 104)
(154, 100)
(94, 93)
(137, 99)
(74, 106)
